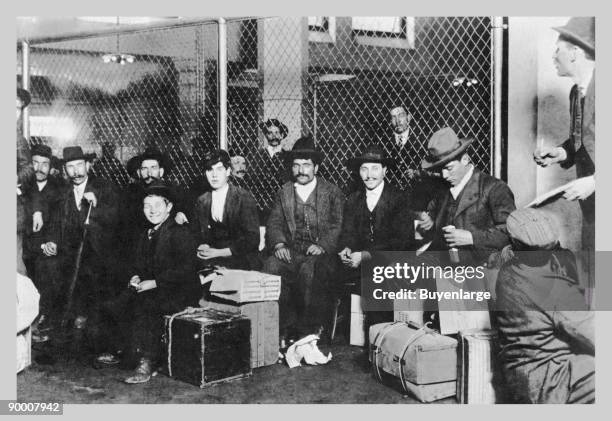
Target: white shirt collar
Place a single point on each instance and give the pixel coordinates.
(273, 150)
(41, 184)
(585, 83)
(373, 196)
(455, 191)
(304, 190)
(218, 203)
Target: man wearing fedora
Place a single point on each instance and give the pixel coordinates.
(40, 255)
(471, 214)
(225, 219)
(96, 201)
(152, 165)
(302, 235)
(546, 333)
(575, 58)
(162, 280)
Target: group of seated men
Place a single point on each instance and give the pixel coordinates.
(133, 258)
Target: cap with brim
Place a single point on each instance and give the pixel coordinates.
(372, 154)
(534, 228)
(159, 188)
(304, 148)
(74, 153)
(579, 31)
(213, 157)
(42, 150)
(444, 146)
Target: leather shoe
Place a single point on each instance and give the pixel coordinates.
(143, 372)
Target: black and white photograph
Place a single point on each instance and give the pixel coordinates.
(306, 210)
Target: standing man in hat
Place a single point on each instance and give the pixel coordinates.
(162, 280)
(546, 333)
(302, 233)
(25, 174)
(98, 199)
(40, 255)
(267, 171)
(225, 219)
(471, 214)
(575, 58)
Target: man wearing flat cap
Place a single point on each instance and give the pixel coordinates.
(92, 204)
(575, 58)
(162, 280)
(42, 262)
(226, 222)
(471, 214)
(302, 234)
(546, 333)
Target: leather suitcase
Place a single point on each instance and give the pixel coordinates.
(420, 360)
(207, 346)
(264, 327)
(476, 370)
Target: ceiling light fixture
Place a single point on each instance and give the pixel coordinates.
(118, 57)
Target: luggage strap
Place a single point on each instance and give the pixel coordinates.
(375, 347)
(188, 310)
(418, 334)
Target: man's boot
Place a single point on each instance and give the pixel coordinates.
(143, 372)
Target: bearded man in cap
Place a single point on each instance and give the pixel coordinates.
(546, 333)
(302, 233)
(92, 204)
(162, 280)
(40, 257)
(574, 57)
(225, 219)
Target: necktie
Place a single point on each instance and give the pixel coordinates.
(78, 197)
(150, 233)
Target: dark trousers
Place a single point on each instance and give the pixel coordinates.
(305, 301)
(134, 322)
(46, 273)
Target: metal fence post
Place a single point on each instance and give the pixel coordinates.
(497, 29)
(222, 84)
(25, 84)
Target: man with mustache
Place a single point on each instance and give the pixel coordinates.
(302, 235)
(40, 254)
(226, 221)
(152, 165)
(96, 279)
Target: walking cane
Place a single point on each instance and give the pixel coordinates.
(77, 268)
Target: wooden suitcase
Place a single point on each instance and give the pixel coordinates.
(207, 346)
(264, 327)
(422, 361)
(475, 373)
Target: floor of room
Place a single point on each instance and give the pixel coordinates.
(347, 378)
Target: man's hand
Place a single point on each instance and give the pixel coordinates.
(37, 221)
(314, 250)
(206, 252)
(548, 155)
(425, 221)
(282, 253)
(146, 285)
(345, 256)
(91, 198)
(355, 259)
(458, 238)
(180, 218)
(134, 281)
(580, 188)
(49, 249)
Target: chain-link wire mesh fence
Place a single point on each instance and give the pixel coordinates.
(333, 78)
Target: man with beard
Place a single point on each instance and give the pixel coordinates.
(302, 233)
(40, 254)
(91, 204)
(152, 165)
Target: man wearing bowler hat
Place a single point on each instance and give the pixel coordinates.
(574, 57)
(91, 204)
(470, 215)
(302, 235)
(44, 266)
